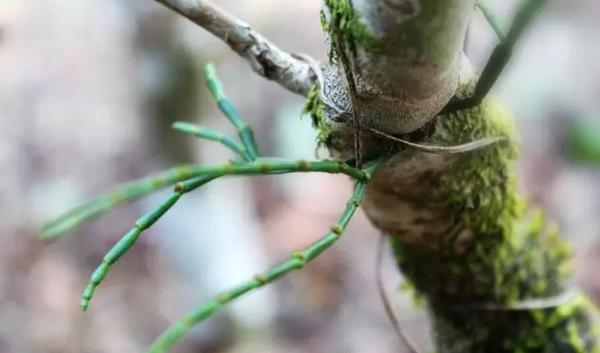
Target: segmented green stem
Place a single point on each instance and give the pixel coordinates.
(297, 260)
(265, 166)
(191, 177)
(244, 130)
(101, 204)
(139, 188)
(213, 135)
(200, 175)
(491, 18)
(127, 241)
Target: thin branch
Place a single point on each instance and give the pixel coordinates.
(230, 111)
(351, 82)
(290, 71)
(409, 344)
(208, 134)
(491, 19)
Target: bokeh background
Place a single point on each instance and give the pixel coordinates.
(88, 90)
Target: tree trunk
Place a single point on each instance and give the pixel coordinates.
(490, 267)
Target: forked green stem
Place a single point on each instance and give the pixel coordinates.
(213, 135)
(265, 166)
(127, 241)
(139, 188)
(296, 261)
(102, 204)
(244, 130)
(190, 177)
(197, 176)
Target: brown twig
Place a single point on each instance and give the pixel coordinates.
(264, 57)
(406, 340)
(348, 74)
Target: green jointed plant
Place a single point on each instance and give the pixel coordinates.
(438, 175)
(190, 177)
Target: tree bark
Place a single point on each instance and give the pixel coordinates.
(492, 270)
(406, 56)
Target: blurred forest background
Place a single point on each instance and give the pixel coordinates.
(88, 90)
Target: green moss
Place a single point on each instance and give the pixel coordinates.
(513, 253)
(353, 31)
(563, 329)
(314, 108)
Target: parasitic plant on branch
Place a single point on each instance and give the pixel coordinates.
(403, 114)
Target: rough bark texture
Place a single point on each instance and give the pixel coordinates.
(492, 270)
(405, 57)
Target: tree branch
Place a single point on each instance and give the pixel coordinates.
(294, 72)
(407, 56)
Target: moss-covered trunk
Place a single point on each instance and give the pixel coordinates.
(491, 268)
